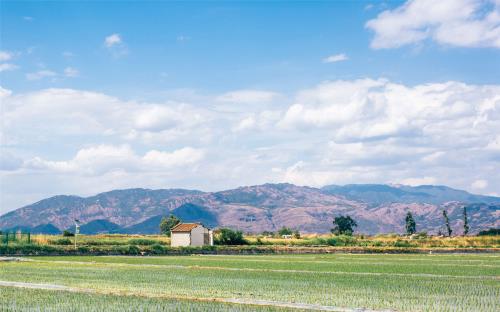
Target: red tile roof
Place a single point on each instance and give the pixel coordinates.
(184, 227)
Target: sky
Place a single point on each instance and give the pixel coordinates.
(214, 95)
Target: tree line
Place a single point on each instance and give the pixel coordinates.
(342, 225)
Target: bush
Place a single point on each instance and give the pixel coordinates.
(157, 249)
(341, 240)
(285, 231)
(143, 242)
(490, 232)
(67, 233)
(402, 243)
(230, 237)
(61, 241)
(133, 250)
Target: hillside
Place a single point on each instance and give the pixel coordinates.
(377, 208)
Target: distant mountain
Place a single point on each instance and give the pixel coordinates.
(45, 229)
(377, 194)
(377, 208)
(101, 226)
(148, 226)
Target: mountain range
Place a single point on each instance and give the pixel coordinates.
(377, 208)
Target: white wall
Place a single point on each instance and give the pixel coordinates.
(197, 235)
(180, 239)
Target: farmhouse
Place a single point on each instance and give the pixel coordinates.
(191, 234)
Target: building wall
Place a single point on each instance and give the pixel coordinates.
(197, 236)
(180, 239)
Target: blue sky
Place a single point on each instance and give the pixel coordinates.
(212, 95)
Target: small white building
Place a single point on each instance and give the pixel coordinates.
(191, 234)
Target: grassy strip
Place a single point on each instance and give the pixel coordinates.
(156, 249)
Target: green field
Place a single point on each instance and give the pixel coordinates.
(340, 282)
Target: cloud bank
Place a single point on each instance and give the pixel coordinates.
(343, 131)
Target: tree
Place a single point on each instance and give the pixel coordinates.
(411, 226)
(67, 233)
(343, 225)
(167, 224)
(447, 223)
(285, 231)
(296, 234)
(229, 237)
(466, 222)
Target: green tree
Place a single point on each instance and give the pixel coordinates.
(167, 224)
(411, 226)
(229, 237)
(296, 234)
(447, 223)
(343, 225)
(466, 222)
(285, 231)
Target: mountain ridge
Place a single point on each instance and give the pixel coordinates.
(376, 207)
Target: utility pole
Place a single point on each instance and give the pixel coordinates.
(77, 229)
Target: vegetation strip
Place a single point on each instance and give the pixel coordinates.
(293, 305)
(178, 266)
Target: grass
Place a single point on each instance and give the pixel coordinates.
(398, 282)
(28, 300)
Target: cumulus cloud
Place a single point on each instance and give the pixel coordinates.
(115, 45)
(461, 23)
(335, 58)
(5, 56)
(7, 67)
(112, 40)
(101, 159)
(59, 114)
(247, 96)
(479, 184)
(344, 131)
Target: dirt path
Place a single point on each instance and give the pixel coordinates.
(291, 305)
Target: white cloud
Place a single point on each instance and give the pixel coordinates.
(71, 72)
(4, 92)
(7, 67)
(419, 181)
(335, 58)
(41, 74)
(180, 157)
(462, 23)
(247, 96)
(115, 45)
(479, 184)
(101, 159)
(112, 40)
(350, 131)
(5, 56)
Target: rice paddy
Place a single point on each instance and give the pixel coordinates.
(331, 282)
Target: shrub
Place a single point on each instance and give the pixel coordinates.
(230, 237)
(402, 243)
(491, 232)
(61, 241)
(143, 241)
(83, 249)
(157, 249)
(67, 233)
(285, 231)
(133, 250)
